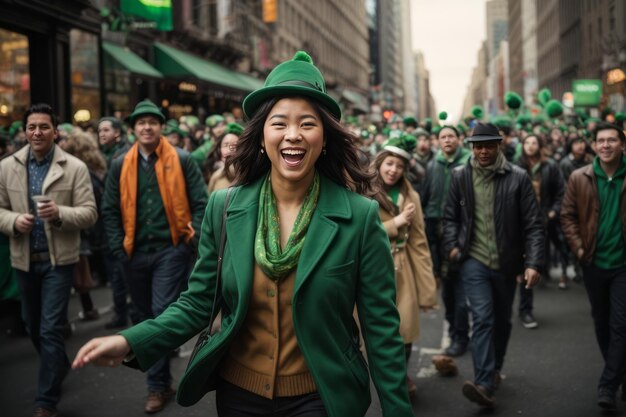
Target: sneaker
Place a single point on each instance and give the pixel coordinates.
(90, 315)
(157, 400)
(528, 320)
(45, 412)
(478, 394)
(563, 283)
(606, 399)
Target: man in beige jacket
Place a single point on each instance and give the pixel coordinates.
(46, 198)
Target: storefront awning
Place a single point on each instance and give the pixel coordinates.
(176, 63)
(128, 60)
(357, 99)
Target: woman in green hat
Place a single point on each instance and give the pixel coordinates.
(302, 250)
(401, 214)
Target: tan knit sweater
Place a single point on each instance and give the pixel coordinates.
(264, 357)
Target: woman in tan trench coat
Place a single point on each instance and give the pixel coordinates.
(401, 214)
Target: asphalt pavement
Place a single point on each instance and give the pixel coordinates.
(550, 371)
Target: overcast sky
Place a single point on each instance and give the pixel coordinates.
(449, 34)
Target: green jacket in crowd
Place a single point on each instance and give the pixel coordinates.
(438, 174)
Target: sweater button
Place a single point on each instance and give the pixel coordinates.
(267, 387)
(270, 293)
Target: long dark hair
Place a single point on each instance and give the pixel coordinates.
(523, 159)
(379, 185)
(340, 163)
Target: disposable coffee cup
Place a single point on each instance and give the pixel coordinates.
(41, 199)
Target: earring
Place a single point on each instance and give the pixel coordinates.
(262, 150)
(324, 150)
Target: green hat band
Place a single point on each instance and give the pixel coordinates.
(296, 77)
(146, 108)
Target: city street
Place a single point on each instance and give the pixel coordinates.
(550, 371)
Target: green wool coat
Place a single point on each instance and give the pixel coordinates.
(346, 259)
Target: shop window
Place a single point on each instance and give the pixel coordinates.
(85, 73)
(14, 76)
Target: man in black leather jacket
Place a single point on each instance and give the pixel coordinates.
(493, 227)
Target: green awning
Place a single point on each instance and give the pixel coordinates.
(357, 99)
(128, 60)
(173, 62)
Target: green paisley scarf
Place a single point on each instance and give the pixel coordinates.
(273, 261)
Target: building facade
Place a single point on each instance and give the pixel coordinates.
(516, 46)
(529, 50)
(50, 53)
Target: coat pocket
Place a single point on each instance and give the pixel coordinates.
(357, 366)
(340, 269)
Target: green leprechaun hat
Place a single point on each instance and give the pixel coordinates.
(401, 146)
(296, 77)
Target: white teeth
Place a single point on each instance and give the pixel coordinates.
(293, 152)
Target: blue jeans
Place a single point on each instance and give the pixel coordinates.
(606, 289)
(45, 295)
(490, 294)
(154, 282)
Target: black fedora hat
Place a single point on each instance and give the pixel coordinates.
(484, 132)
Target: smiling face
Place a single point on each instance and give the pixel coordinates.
(391, 170)
(293, 138)
(40, 134)
(609, 147)
(148, 132)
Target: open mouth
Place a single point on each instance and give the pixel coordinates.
(293, 157)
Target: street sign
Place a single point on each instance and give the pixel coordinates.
(587, 92)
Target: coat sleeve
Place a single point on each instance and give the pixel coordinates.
(83, 212)
(150, 340)
(570, 222)
(558, 187)
(532, 223)
(419, 256)
(452, 216)
(111, 211)
(196, 192)
(379, 319)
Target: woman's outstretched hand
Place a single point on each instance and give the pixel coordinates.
(102, 351)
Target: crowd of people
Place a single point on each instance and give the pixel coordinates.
(331, 236)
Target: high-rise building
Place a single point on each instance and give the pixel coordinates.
(516, 46)
(408, 62)
(603, 48)
(497, 25)
(424, 100)
(548, 51)
(497, 33)
(529, 50)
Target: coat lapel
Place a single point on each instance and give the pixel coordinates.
(56, 169)
(332, 203)
(240, 231)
